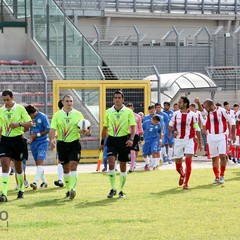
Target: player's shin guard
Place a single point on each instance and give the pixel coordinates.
(20, 178)
(112, 178)
(170, 153)
(123, 177)
(67, 181)
(188, 162)
(179, 168)
(223, 168)
(60, 171)
(216, 172)
(39, 173)
(234, 155)
(73, 178)
(5, 181)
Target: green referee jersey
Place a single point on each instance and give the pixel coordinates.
(66, 125)
(118, 122)
(16, 114)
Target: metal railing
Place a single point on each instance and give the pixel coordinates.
(156, 6)
(13, 14)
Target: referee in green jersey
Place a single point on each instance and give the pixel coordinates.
(64, 124)
(14, 120)
(117, 121)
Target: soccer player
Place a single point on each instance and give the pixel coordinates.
(151, 111)
(138, 134)
(65, 123)
(117, 121)
(39, 143)
(175, 107)
(152, 130)
(168, 142)
(13, 119)
(184, 126)
(216, 125)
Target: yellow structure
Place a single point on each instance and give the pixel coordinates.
(102, 86)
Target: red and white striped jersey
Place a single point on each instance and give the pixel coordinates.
(231, 113)
(183, 124)
(217, 120)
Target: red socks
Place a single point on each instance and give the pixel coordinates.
(188, 162)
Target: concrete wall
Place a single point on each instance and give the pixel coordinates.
(13, 44)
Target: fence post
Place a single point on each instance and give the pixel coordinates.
(138, 45)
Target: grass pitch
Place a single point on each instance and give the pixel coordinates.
(155, 208)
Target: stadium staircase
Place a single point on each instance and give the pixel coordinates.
(30, 82)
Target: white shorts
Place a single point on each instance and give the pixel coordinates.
(183, 146)
(217, 144)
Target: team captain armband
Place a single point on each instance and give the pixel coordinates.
(195, 125)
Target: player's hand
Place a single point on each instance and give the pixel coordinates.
(52, 143)
(175, 134)
(196, 100)
(129, 143)
(14, 125)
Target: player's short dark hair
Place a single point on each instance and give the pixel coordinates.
(185, 100)
(31, 109)
(166, 103)
(151, 107)
(156, 117)
(118, 92)
(225, 103)
(157, 104)
(7, 92)
(193, 105)
(218, 104)
(129, 105)
(235, 105)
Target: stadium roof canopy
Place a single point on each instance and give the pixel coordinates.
(172, 83)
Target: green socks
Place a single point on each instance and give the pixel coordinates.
(5, 180)
(112, 178)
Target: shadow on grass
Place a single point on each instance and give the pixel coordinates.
(29, 191)
(179, 190)
(100, 203)
(56, 202)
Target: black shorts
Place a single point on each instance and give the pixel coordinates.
(12, 147)
(117, 146)
(135, 145)
(68, 151)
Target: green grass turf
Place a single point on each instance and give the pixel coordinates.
(155, 208)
